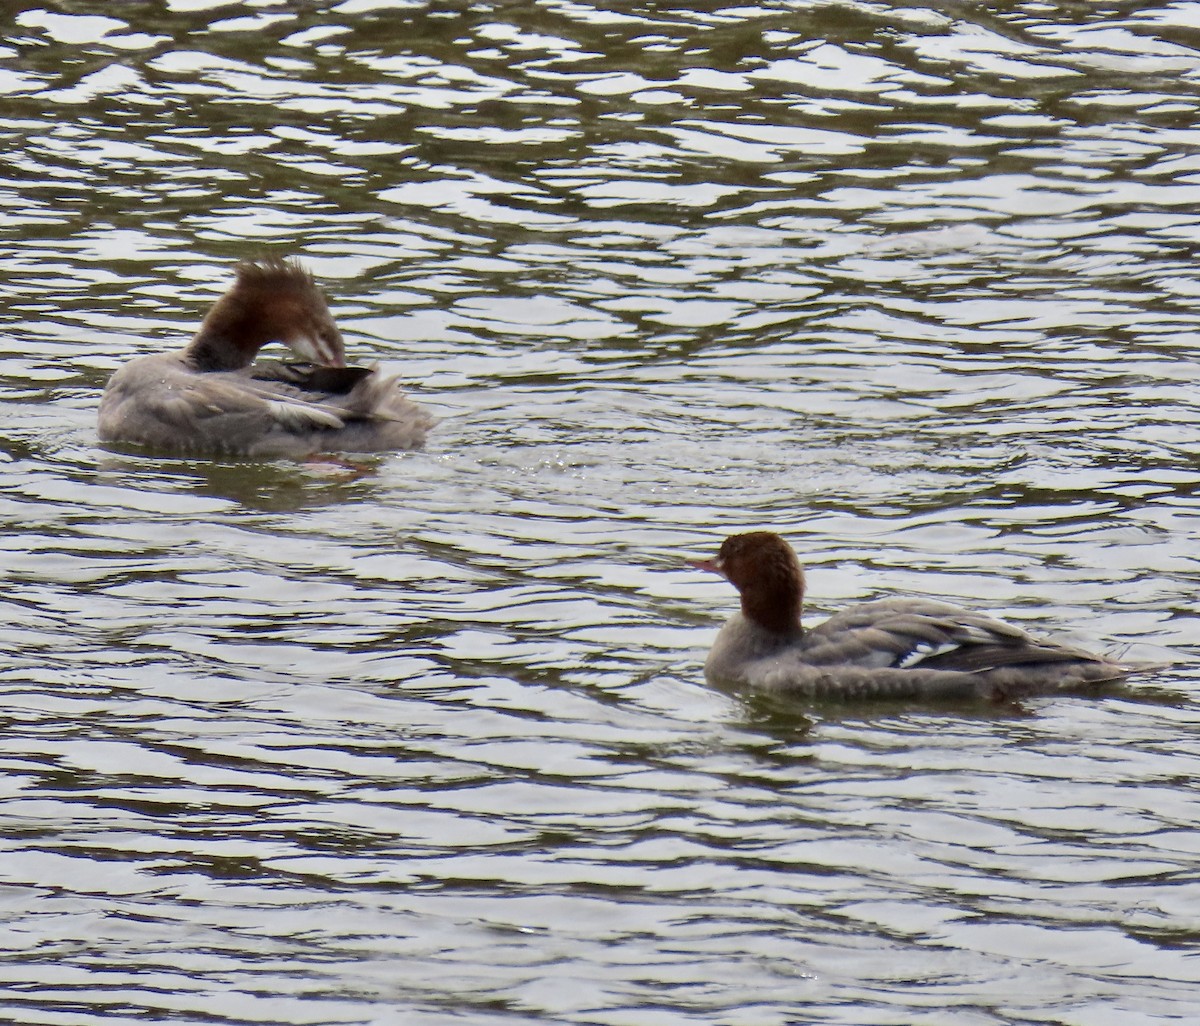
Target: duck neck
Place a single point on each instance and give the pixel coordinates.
(774, 611)
(209, 352)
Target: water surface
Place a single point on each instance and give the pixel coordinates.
(912, 285)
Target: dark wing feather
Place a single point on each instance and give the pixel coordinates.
(972, 658)
(310, 377)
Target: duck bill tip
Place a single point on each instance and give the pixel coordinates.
(316, 350)
(713, 566)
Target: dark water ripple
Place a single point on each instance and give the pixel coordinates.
(914, 285)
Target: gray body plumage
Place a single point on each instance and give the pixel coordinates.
(262, 410)
(902, 648)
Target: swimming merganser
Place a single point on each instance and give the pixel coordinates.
(896, 648)
(212, 398)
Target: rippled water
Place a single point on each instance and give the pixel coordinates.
(912, 285)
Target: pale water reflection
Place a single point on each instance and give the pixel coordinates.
(912, 285)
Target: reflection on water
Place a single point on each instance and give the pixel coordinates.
(913, 285)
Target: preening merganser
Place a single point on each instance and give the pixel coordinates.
(212, 398)
(898, 648)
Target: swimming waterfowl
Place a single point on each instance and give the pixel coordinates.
(895, 648)
(211, 397)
